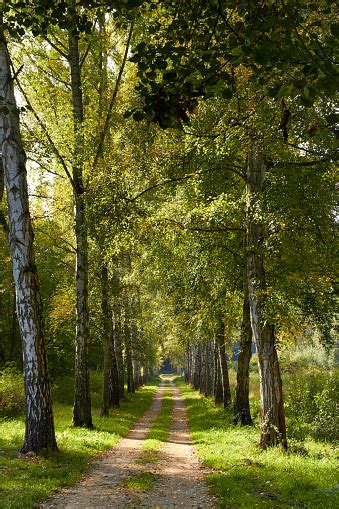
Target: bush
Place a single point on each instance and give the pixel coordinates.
(311, 404)
(12, 401)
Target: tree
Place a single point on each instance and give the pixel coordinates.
(39, 432)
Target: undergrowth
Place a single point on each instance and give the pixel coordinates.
(245, 476)
(25, 479)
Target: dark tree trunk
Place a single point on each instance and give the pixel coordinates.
(242, 412)
(203, 370)
(82, 401)
(119, 351)
(39, 432)
(197, 368)
(218, 392)
(129, 360)
(114, 385)
(210, 371)
(273, 428)
(223, 365)
(188, 365)
(110, 381)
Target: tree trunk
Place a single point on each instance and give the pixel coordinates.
(223, 365)
(188, 365)
(39, 433)
(273, 428)
(82, 401)
(110, 387)
(118, 347)
(218, 392)
(129, 360)
(242, 412)
(197, 368)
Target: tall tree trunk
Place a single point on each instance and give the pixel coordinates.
(203, 370)
(197, 368)
(218, 391)
(210, 371)
(129, 359)
(273, 428)
(223, 365)
(110, 387)
(188, 365)
(82, 401)
(242, 412)
(39, 432)
(118, 348)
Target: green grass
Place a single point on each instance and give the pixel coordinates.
(159, 431)
(26, 479)
(246, 476)
(143, 481)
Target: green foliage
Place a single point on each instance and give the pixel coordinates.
(199, 48)
(29, 479)
(246, 476)
(311, 404)
(12, 402)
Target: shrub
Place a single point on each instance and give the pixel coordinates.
(311, 404)
(12, 401)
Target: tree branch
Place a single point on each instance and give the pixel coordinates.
(57, 49)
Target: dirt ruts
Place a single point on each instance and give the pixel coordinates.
(178, 474)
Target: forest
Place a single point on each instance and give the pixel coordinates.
(168, 197)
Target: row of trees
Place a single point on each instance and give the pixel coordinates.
(215, 230)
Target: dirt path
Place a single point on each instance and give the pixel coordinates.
(178, 474)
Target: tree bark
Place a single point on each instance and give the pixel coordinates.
(118, 348)
(242, 412)
(227, 399)
(197, 368)
(129, 359)
(273, 428)
(218, 391)
(110, 387)
(39, 432)
(82, 401)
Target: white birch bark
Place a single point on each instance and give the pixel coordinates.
(39, 417)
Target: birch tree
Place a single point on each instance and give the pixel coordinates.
(39, 431)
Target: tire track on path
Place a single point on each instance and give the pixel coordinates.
(178, 473)
(180, 482)
(99, 487)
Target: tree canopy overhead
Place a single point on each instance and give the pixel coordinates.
(199, 49)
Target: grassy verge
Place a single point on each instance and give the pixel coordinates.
(159, 431)
(26, 479)
(245, 476)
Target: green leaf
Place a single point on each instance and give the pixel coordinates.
(285, 91)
